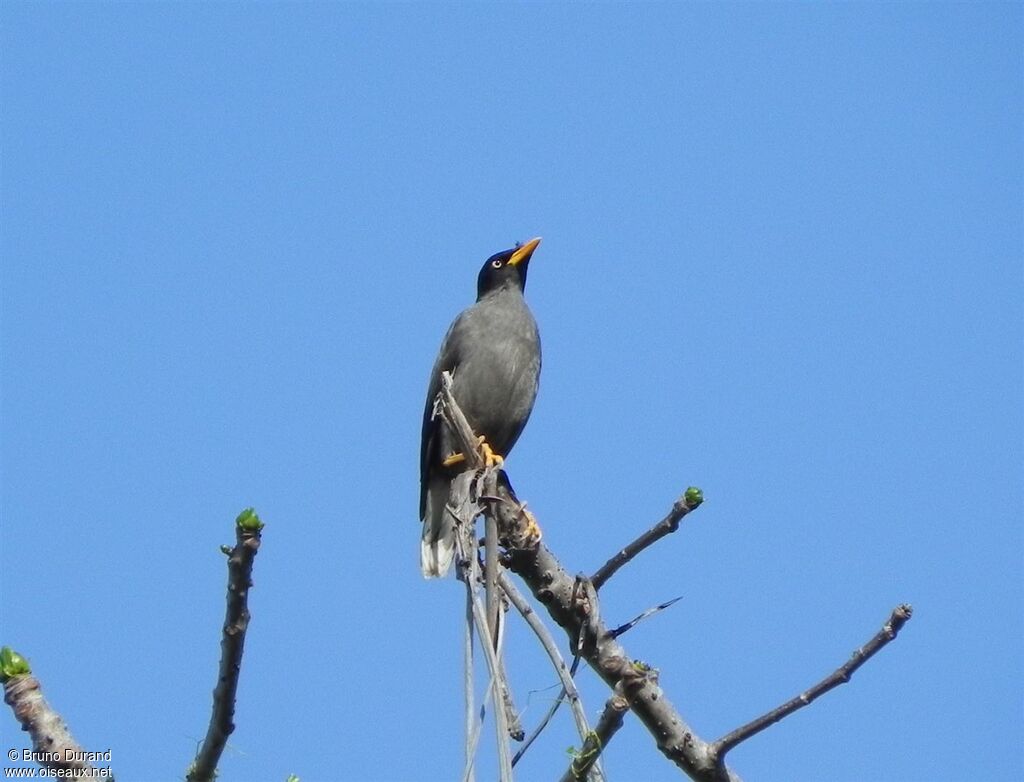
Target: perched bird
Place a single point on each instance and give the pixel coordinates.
(492, 351)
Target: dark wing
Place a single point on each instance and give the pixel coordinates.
(447, 361)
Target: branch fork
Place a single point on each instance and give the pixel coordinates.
(572, 603)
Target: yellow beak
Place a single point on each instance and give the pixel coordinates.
(523, 252)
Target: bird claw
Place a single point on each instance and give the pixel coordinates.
(533, 533)
(454, 459)
(491, 459)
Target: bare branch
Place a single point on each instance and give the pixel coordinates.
(236, 621)
(53, 746)
(559, 593)
(615, 709)
(572, 603)
(690, 500)
(899, 617)
(467, 683)
(469, 572)
(565, 676)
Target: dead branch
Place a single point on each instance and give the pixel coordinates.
(236, 621)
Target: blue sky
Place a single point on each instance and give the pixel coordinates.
(781, 261)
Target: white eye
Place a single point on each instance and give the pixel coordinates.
(496, 264)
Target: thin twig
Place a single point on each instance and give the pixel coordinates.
(690, 500)
(467, 682)
(608, 724)
(548, 642)
(645, 615)
(471, 572)
(500, 721)
(236, 621)
(552, 710)
(513, 725)
(899, 617)
(490, 575)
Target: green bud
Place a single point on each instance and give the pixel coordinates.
(249, 520)
(693, 497)
(12, 664)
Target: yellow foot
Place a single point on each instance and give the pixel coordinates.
(491, 459)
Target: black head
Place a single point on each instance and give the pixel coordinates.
(506, 268)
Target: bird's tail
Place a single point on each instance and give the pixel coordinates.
(437, 546)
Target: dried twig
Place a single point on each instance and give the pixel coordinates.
(483, 480)
(236, 621)
(496, 672)
(552, 710)
(467, 683)
(899, 617)
(565, 676)
(691, 499)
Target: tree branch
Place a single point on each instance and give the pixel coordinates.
(899, 617)
(558, 592)
(637, 682)
(691, 499)
(611, 719)
(53, 746)
(573, 604)
(236, 621)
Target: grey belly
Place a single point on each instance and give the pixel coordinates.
(497, 392)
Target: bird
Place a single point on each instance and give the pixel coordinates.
(492, 350)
